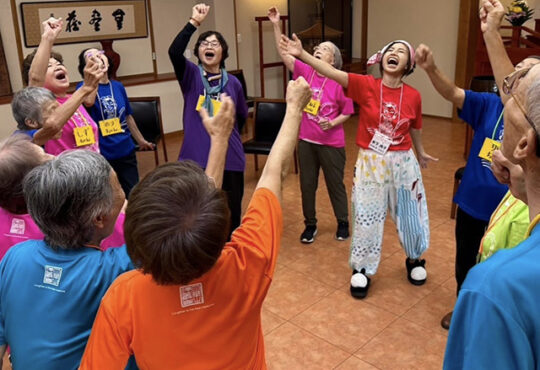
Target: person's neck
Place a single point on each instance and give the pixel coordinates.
(104, 80)
(391, 80)
(533, 193)
(211, 68)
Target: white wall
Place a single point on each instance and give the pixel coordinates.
(434, 23)
(248, 48)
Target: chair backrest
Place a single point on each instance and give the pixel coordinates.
(268, 115)
(239, 74)
(147, 115)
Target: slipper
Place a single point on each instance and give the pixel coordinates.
(416, 271)
(359, 284)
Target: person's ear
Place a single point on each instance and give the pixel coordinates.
(99, 222)
(526, 146)
(31, 123)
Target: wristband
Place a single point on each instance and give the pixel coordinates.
(196, 21)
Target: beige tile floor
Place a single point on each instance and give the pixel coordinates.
(309, 319)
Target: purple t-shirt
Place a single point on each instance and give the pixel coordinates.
(333, 103)
(67, 140)
(196, 140)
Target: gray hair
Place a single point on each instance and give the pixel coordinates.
(338, 60)
(65, 195)
(533, 103)
(28, 103)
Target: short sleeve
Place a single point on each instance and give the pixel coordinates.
(301, 69)
(346, 104)
(417, 124)
(258, 238)
(129, 112)
(484, 336)
(358, 86)
(2, 325)
(477, 106)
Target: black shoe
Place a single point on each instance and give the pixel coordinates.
(342, 232)
(308, 236)
(416, 264)
(360, 292)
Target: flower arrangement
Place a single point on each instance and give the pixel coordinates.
(518, 12)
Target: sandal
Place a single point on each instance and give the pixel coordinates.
(359, 284)
(416, 271)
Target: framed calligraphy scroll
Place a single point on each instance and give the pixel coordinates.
(86, 20)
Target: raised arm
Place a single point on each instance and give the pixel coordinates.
(38, 69)
(288, 59)
(54, 123)
(294, 48)
(441, 83)
(491, 15)
(179, 44)
(219, 128)
(277, 165)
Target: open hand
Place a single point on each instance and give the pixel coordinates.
(424, 159)
(291, 46)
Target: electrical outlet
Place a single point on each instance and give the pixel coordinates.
(238, 37)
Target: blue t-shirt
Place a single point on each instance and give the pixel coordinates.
(495, 324)
(30, 133)
(112, 101)
(49, 299)
(479, 192)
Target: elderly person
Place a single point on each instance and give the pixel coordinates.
(479, 194)
(495, 323)
(207, 294)
(321, 141)
(201, 86)
(18, 156)
(109, 107)
(50, 289)
(45, 68)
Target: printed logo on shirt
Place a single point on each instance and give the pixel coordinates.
(191, 295)
(17, 226)
(389, 114)
(52, 275)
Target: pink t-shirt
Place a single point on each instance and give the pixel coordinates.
(15, 229)
(333, 103)
(79, 119)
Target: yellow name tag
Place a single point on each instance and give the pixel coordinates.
(84, 136)
(312, 107)
(488, 148)
(110, 126)
(216, 104)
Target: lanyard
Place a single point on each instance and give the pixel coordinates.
(381, 102)
(533, 224)
(322, 86)
(81, 117)
(101, 107)
(497, 125)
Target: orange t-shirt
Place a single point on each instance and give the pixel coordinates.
(212, 323)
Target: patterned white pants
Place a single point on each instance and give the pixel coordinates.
(392, 181)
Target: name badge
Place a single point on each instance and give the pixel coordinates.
(84, 136)
(216, 104)
(110, 126)
(380, 143)
(312, 107)
(488, 148)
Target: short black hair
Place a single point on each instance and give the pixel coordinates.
(223, 43)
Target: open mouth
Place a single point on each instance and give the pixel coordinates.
(209, 54)
(60, 75)
(392, 61)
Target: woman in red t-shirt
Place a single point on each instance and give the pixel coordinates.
(387, 174)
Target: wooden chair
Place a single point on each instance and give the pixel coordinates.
(268, 116)
(147, 115)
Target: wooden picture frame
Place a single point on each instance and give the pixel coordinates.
(86, 21)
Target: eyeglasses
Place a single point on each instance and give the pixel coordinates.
(508, 87)
(213, 43)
